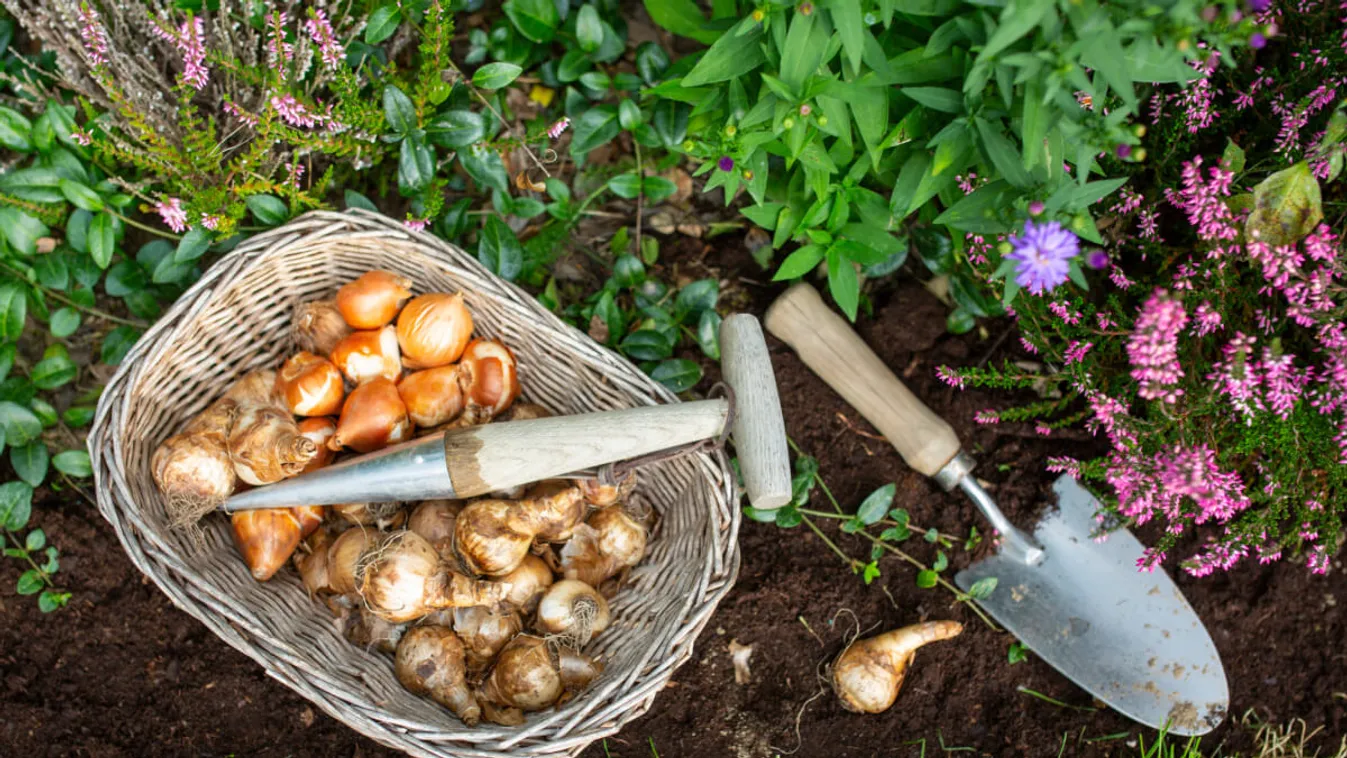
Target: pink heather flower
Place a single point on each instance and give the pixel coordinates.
(1202, 202)
(240, 114)
(1282, 382)
(1205, 319)
(556, 129)
(1108, 416)
(1104, 321)
(320, 31)
(1119, 279)
(1043, 429)
(296, 170)
(416, 224)
(81, 136)
(1150, 558)
(1064, 465)
(1153, 347)
(967, 184)
(950, 376)
(1129, 200)
(1043, 252)
(1318, 560)
(279, 52)
(1148, 225)
(292, 111)
(1075, 352)
(1068, 316)
(1200, 96)
(1028, 346)
(210, 221)
(1236, 376)
(987, 416)
(94, 35)
(1036, 208)
(189, 40)
(171, 211)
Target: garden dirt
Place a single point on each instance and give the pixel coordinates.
(121, 672)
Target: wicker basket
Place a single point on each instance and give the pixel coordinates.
(236, 318)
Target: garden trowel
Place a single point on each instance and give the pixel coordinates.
(1129, 638)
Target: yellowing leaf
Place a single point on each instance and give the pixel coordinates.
(1287, 206)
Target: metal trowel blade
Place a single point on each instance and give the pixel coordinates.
(1127, 637)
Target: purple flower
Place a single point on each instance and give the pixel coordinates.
(1035, 207)
(170, 209)
(1096, 259)
(95, 38)
(556, 129)
(1258, 6)
(320, 30)
(726, 163)
(1123, 151)
(1043, 252)
(1257, 41)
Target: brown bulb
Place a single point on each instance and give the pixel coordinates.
(490, 379)
(603, 495)
(550, 510)
(311, 562)
(433, 330)
(368, 355)
(387, 515)
(266, 446)
(611, 541)
(317, 327)
(574, 611)
(484, 540)
(367, 630)
(343, 558)
(374, 299)
(430, 661)
(403, 579)
(267, 538)
(433, 396)
(484, 633)
(526, 584)
(319, 429)
(372, 418)
(434, 520)
(531, 674)
(309, 517)
(869, 673)
(310, 385)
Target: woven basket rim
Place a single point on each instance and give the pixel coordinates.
(192, 591)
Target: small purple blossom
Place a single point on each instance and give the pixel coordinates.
(805, 110)
(1123, 151)
(1257, 41)
(556, 129)
(726, 163)
(1043, 252)
(950, 376)
(1259, 6)
(1096, 259)
(1153, 347)
(1036, 208)
(416, 224)
(170, 210)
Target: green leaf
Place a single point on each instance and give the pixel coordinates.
(789, 517)
(15, 131)
(588, 28)
(7, 353)
(457, 128)
(927, 579)
(870, 572)
(733, 55)
(843, 283)
(416, 166)
(124, 278)
(983, 589)
(800, 263)
(382, 23)
(16, 505)
(52, 565)
(54, 371)
(657, 189)
(846, 16)
(1003, 154)
(625, 185)
(1233, 157)
(21, 426)
(193, 244)
(761, 516)
(22, 230)
(81, 196)
(1287, 206)
(936, 98)
(595, 127)
(708, 334)
(537, 20)
(628, 114)
(806, 42)
(36, 540)
(1103, 52)
(496, 75)
(895, 534)
(30, 583)
(876, 504)
(678, 374)
(13, 310)
(499, 250)
(959, 321)
(651, 62)
(44, 411)
(628, 270)
(73, 463)
(52, 270)
(485, 167)
(49, 601)
(968, 295)
(267, 209)
(978, 212)
(681, 17)
(356, 200)
(698, 296)
(1017, 652)
(608, 312)
(30, 462)
(78, 415)
(399, 112)
(1017, 19)
(647, 345)
(117, 344)
(941, 562)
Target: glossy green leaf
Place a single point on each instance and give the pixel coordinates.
(21, 230)
(681, 17)
(800, 263)
(983, 589)
(708, 334)
(457, 128)
(597, 126)
(485, 167)
(354, 199)
(15, 131)
(698, 296)
(192, 245)
(843, 283)
(647, 345)
(268, 209)
(959, 321)
(733, 55)
(36, 540)
(936, 98)
(535, 19)
(494, 76)
(1003, 154)
(588, 28)
(1233, 157)
(13, 310)
(81, 196)
(416, 166)
(382, 23)
(678, 374)
(30, 583)
(399, 111)
(927, 579)
(876, 504)
(54, 371)
(499, 249)
(117, 344)
(651, 62)
(16, 505)
(124, 278)
(30, 462)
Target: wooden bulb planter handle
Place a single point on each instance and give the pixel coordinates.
(474, 461)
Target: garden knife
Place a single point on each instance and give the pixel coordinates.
(1128, 638)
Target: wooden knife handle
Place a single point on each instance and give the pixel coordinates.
(834, 351)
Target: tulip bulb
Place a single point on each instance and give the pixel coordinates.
(573, 610)
(401, 579)
(430, 661)
(484, 633)
(433, 330)
(266, 446)
(868, 674)
(319, 429)
(609, 542)
(367, 355)
(343, 558)
(310, 385)
(374, 299)
(531, 674)
(372, 418)
(267, 538)
(365, 629)
(317, 327)
(433, 396)
(526, 584)
(491, 381)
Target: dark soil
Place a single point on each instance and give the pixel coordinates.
(122, 673)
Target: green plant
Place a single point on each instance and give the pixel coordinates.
(840, 120)
(43, 560)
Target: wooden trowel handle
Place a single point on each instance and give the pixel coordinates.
(830, 347)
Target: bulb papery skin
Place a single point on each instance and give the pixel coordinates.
(311, 563)
(605, 495)
(524, 675)
(490, 380)
(367, 630)
(484, 632)
(372, 418)
(379, 515)
(402, 579)
(343, 558)
(430, 661)
(374, 299)
(320, 429)
(525, 412)
(610, 541)
(572, 610)
(310, 385)
(433, 396)
(869, 673)
(317, 327)
(366, 355)
(434, 329)
(434, 521)
(526, 584)
(549, 511)
(484, 540)
(266, 446)
(266, 538)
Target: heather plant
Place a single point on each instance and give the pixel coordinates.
(845, 122)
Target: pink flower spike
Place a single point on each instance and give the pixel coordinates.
(416, 224)
(94, 35)
(987, 416)
(81, 136)
(1075, 352)
(171, 211)
(210, 221)
(1153, 347)
(554, 131)
(292, 111)
(1043, 429)
(320, 31)
(950, 376)
(1206, 319)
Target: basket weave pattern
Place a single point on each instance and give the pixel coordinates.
(237, 318)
